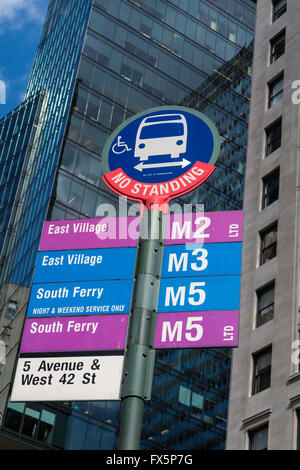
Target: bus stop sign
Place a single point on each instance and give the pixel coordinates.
(160, 154)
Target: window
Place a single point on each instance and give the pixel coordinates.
(30, 421)
(3, 348)
(265, 304)
(296, 351)
(184, 396)
(273, 137)
(261, 370)
(91, 47)
(93, 106)
(258, 438)
(11, 310)
(275, 91)
(277, 47)
(34, 421)
(270, 188)
(268, 239)
(298, 428)
(279, 8)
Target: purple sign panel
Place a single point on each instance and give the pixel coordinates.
(89, 233)
(197, 329)
(79, 333)
(207, 227)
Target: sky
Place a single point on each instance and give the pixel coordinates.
(21, 23)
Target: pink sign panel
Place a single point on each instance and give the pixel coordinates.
(197, 330)
(207, 227)
(89, 233)
(79, 333)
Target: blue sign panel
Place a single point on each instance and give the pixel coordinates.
(162, 144)
(215, 259)
(80, 298)
(199, 294)
(79, 265)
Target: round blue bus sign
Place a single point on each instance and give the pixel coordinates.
(160, 154)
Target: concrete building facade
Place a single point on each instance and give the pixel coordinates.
(265, 378)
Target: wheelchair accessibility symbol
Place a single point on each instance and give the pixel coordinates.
(120, 147)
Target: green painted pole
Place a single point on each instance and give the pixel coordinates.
(139, 357)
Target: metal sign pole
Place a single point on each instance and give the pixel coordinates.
(173, 134)
(139, 366)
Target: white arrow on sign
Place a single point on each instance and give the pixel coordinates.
(141, 166)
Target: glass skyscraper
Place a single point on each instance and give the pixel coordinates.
(98, 63)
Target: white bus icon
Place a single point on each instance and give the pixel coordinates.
(161, 134)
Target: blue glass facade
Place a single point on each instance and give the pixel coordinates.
(16, 137)
(54, 72)
(228, 106)
(99, 63)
